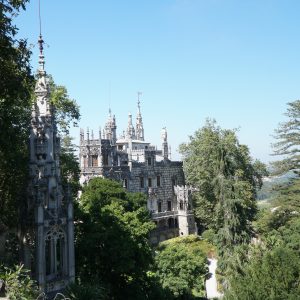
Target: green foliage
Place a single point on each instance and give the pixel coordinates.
(112, 239)
(270, 275)
(284, 207)
(86, 291)
(209, 235)
(287, 136)
(270, 270)
(16, 284)
(66, 109)
(69, 166)
(182, 266)
(222, 170)
(16, 84)
(227, 180)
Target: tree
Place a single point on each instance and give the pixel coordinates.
(182, 266)
(270, 275)
(16, 84)
(112, 239)
(69, 166)
(288, 140)
(226, 178)
(66, 109)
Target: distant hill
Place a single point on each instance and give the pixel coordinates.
(268, 191)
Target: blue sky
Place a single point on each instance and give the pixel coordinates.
(231, 60)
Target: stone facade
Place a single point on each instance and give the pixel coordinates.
(141, 168)
(48, 234)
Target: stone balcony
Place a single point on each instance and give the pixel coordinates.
(164, 214)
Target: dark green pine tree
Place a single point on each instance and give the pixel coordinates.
(288, 140)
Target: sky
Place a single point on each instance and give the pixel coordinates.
(230, 60)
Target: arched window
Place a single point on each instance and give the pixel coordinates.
(55, 253)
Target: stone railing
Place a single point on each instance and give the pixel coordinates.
(158, 215)
(58, 296)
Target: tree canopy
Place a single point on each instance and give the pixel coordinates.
(112, 239)
(182, 266)
(270, 269)
(16, 82)
(288, 140)
(226, 178)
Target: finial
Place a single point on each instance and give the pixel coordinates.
(41, 45)
(164, 134)
(139, 102)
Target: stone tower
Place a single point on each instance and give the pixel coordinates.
(50, 238)
(186, 220)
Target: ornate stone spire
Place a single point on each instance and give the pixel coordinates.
(42, 106)
(139, 121)
(130, 133)
(50, 210)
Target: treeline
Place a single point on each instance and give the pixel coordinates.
(114, 258)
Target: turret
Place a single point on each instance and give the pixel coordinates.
(110, 129)
(139, 122)
(81, 135)
(130, 133)
(164, 137)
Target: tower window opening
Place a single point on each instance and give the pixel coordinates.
(149, 182)
(181, 205)
(174, 182)
(105, 159)
(159, 206)
(169, 205)
(158, 181)
(125, 183)
(149, 161)
(85, 164)
(171, 223)
(142, 185)
(94, 160)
